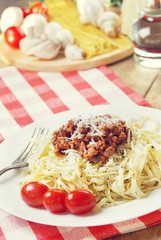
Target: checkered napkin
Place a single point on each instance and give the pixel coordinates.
(26, 97)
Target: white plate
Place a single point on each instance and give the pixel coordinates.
(11, 201)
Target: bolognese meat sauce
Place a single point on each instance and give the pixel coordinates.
(95, 136)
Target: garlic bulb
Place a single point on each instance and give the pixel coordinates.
(27, 43)
(11, 16)
(35, 21)
(109, 22)
(90, 10)
(64, 37)
(50, 30)
(39, 46)
(45, 50)
(74, 52)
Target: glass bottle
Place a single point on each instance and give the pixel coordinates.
(147, 35)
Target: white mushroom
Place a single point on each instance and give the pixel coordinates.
(74, 52)
(109, 22)
(64, 37)
(35, 21)
(90, 10)
(50, 30)
(45, 50)
(80, 6)
(11, 16)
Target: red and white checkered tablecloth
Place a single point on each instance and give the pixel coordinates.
(26, 97)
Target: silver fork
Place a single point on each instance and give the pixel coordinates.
(20, 161)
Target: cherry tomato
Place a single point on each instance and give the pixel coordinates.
(12, 36)
(26, 12)
(80, 201)
(39, 8)
(32, 193)
(54, 200)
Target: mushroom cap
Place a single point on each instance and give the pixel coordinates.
(108, 16)
(64, 37)
(51, 28)
(74, 52)
(11, 16)
(35, 21)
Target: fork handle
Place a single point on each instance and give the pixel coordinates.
(14, 166)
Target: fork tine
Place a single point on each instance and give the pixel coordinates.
(29, 150)
(19, 157)
(34, 135)
(41, 131)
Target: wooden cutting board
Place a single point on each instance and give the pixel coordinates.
(15, 57)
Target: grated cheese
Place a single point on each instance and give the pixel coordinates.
(94, 123)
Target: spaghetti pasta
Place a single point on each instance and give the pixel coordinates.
(133, 171)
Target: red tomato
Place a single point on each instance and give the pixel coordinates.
(32, 193)
(80, 201)
(54, 200)
(26, 12)
(12, 36)
(39, 8)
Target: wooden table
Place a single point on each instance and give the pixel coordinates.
(147, 83)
